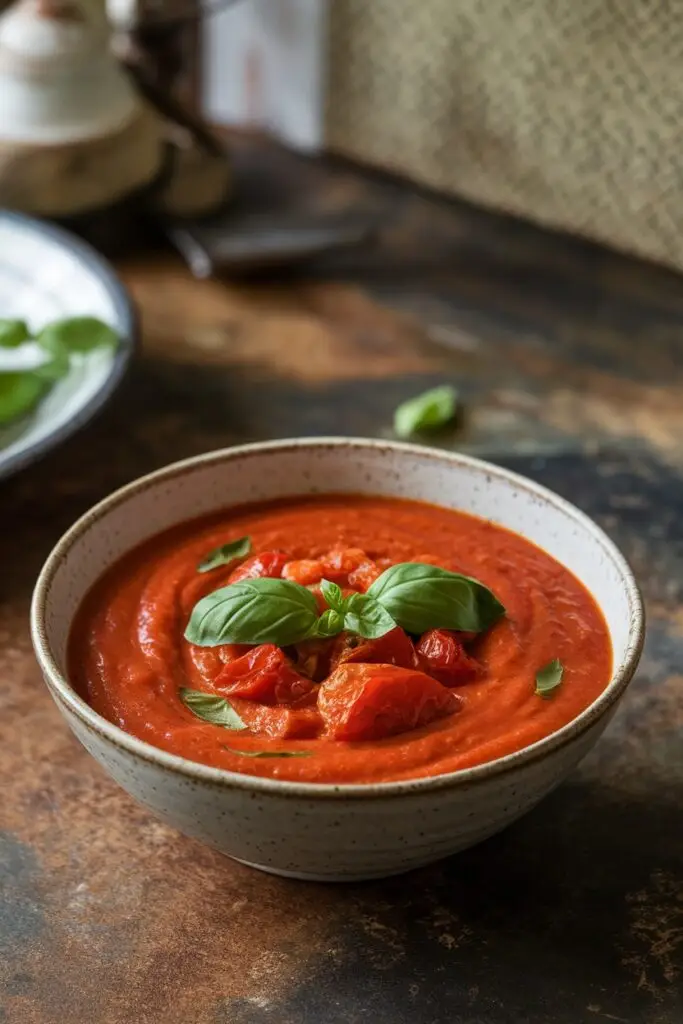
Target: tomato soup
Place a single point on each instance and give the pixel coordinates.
(438, 642)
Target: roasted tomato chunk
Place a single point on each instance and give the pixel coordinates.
(394, 648)
(264, 674)
(280, 722)
(340, 562)
(305, 571)
(364, 576)
(370, 702)
(443, 656)
(268, 563)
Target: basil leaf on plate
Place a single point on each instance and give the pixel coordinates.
(333, 594)
(259, 611)
(78, 334)
(268, 753)
(225, 554)
(20, 391)
(432, 409)
(367, 617)
(211, 708)
(58, 364)
(330, 623)
(13, 333)
(549, 678)
(420, 597)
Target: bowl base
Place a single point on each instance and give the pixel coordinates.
(305, 876)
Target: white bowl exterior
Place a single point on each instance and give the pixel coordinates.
(283, 828)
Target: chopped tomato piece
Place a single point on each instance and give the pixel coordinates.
(264, 674)
(312, 657)
(394, 648)
(370, 702)
(281, 723)
(443, 656)
(338, 563)
(364, 576)
(268, 563)
(305, 571)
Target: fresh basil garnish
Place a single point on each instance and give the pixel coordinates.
(332, 593)
(366, 616)
(420, 597)
(77, 334)
(20, 391)
(58, 364)
(549, 678)
(225, 554)
(13, 333)
(330, 623)
(259, 611)
(211, 708)
(432, 409)
(268, 753)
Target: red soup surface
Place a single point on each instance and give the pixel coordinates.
(352, 710)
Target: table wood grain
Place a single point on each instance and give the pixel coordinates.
(569, 360)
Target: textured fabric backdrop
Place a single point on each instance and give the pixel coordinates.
(567, 112)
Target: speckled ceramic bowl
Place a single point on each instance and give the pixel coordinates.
(326, 832)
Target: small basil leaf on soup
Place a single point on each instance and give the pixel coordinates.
(13, 333)
(333, 594)
(78, 334)
(268, 753)
(259, 611)
(428, 411)
(225, 554)
(330, 623)
(366, 616)
(20, 391)
(211, 708)
(549, 677)
(420, 597)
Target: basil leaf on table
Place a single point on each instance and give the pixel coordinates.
(549, 678)
(420, 597)
(367, 617)
(78, 334)
(211, 708)
(259, 611)
(13, 333)
(432, 409)
(20, 391)
(225, 554)
(268, 753)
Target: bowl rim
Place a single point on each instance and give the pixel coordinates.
(223, 778)
(127, 325)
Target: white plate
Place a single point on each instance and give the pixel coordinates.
(48, 274)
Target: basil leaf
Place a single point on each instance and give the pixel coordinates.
(225, 554)
(549, 678)
(13, 333)
(268, 753)
(259, 611)
(20, 391)
(330, 623)
(78, 334)
(366, 616)
(59, 362)
(420, 597)
(427, 411)
(211, 708)
(332, 594)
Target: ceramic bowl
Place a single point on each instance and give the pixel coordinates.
(332, 832)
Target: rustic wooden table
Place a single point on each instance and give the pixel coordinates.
(570, 363)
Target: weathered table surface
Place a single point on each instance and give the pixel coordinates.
(570, 362)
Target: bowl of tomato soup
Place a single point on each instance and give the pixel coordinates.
(336, 659)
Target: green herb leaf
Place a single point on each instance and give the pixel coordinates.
(268, 753)
(420, 597)
(211, 708)
(59, 362)
(20, 391)
(78, 334)
(549, 678)
(13, 333)
(366, 616)
(225, 554)
(330, 623)
(333, 594)
(432, 409)
(260, 611)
